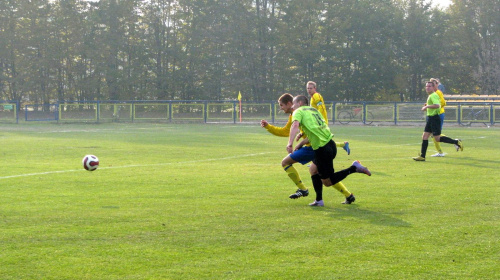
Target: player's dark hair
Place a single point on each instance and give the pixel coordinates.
(303, 99)
(285, 98)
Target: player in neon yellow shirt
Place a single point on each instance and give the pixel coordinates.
(433, 122)
(318, 103)
(312, 123)
(442, 102)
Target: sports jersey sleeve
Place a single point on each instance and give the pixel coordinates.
(280, 131)
(442, 101)
(318, 103)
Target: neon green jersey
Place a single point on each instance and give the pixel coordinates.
(282, 131)
(318, 103)
(313, 125)
(431, 100)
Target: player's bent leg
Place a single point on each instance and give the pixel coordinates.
(292, 173)
(437, 144)
(345, 146)
(295, 177)
(342, 189)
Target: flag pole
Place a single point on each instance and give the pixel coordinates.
(239, 99)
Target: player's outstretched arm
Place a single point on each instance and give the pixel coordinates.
(294, 130)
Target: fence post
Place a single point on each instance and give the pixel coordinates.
(170, 111)
(98, 104)
(395, 113)
(459, 113)
(273, 113)
(205, 113)
(492, 116)
(364, 112)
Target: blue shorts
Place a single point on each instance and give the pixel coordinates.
(303, 155)
(442, 120)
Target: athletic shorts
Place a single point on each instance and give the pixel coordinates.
(303, 155)
(441, 117)
(433, 125)
(324, 159)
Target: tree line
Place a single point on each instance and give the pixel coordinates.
(370, 50)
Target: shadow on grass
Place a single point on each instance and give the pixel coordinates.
(474, 162)
(354, 211)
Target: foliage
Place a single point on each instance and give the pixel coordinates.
(199, 49)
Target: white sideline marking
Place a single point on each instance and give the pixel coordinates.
(135, 165)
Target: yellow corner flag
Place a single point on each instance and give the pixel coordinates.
(239, 98)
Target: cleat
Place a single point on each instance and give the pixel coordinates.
(419, 158)
(346, 148)
(317, 203)
(438, 155)
(299, 193)
(459, 145)
(360, 168)
(350, 199)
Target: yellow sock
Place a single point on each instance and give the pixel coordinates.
(294, 175)
(341, 188)
(340, 144)
(437, 145)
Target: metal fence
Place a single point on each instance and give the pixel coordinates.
(364, 113)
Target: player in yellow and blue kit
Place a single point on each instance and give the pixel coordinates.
(302, 155)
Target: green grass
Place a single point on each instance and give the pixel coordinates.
(172, 201)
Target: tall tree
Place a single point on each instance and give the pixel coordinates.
(478, 23)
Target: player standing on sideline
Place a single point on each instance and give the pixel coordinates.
(303, 155)
(442, 102)
(312, 123)
(318, 103)
(433, 123)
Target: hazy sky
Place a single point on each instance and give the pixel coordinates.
(442, 3)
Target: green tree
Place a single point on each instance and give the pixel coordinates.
(475, 34)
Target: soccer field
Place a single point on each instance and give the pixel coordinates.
(190, 201)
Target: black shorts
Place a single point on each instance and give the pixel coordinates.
(433, 125)
(323, 159)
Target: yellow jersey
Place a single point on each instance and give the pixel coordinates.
(318, 103)
(283, 131)
(441, 101)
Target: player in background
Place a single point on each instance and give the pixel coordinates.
(440, 86)
(312, 123)
(318, 103)
(302, 155)
(442, 102)
(433, 123)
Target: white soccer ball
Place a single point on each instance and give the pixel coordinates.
(90, 162)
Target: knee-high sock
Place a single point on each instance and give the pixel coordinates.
(294, 175)
(342, 174)
(437, 145)
(423, 151)
(318, 186)
(446, 139)
(340, 144)
(342, 189)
